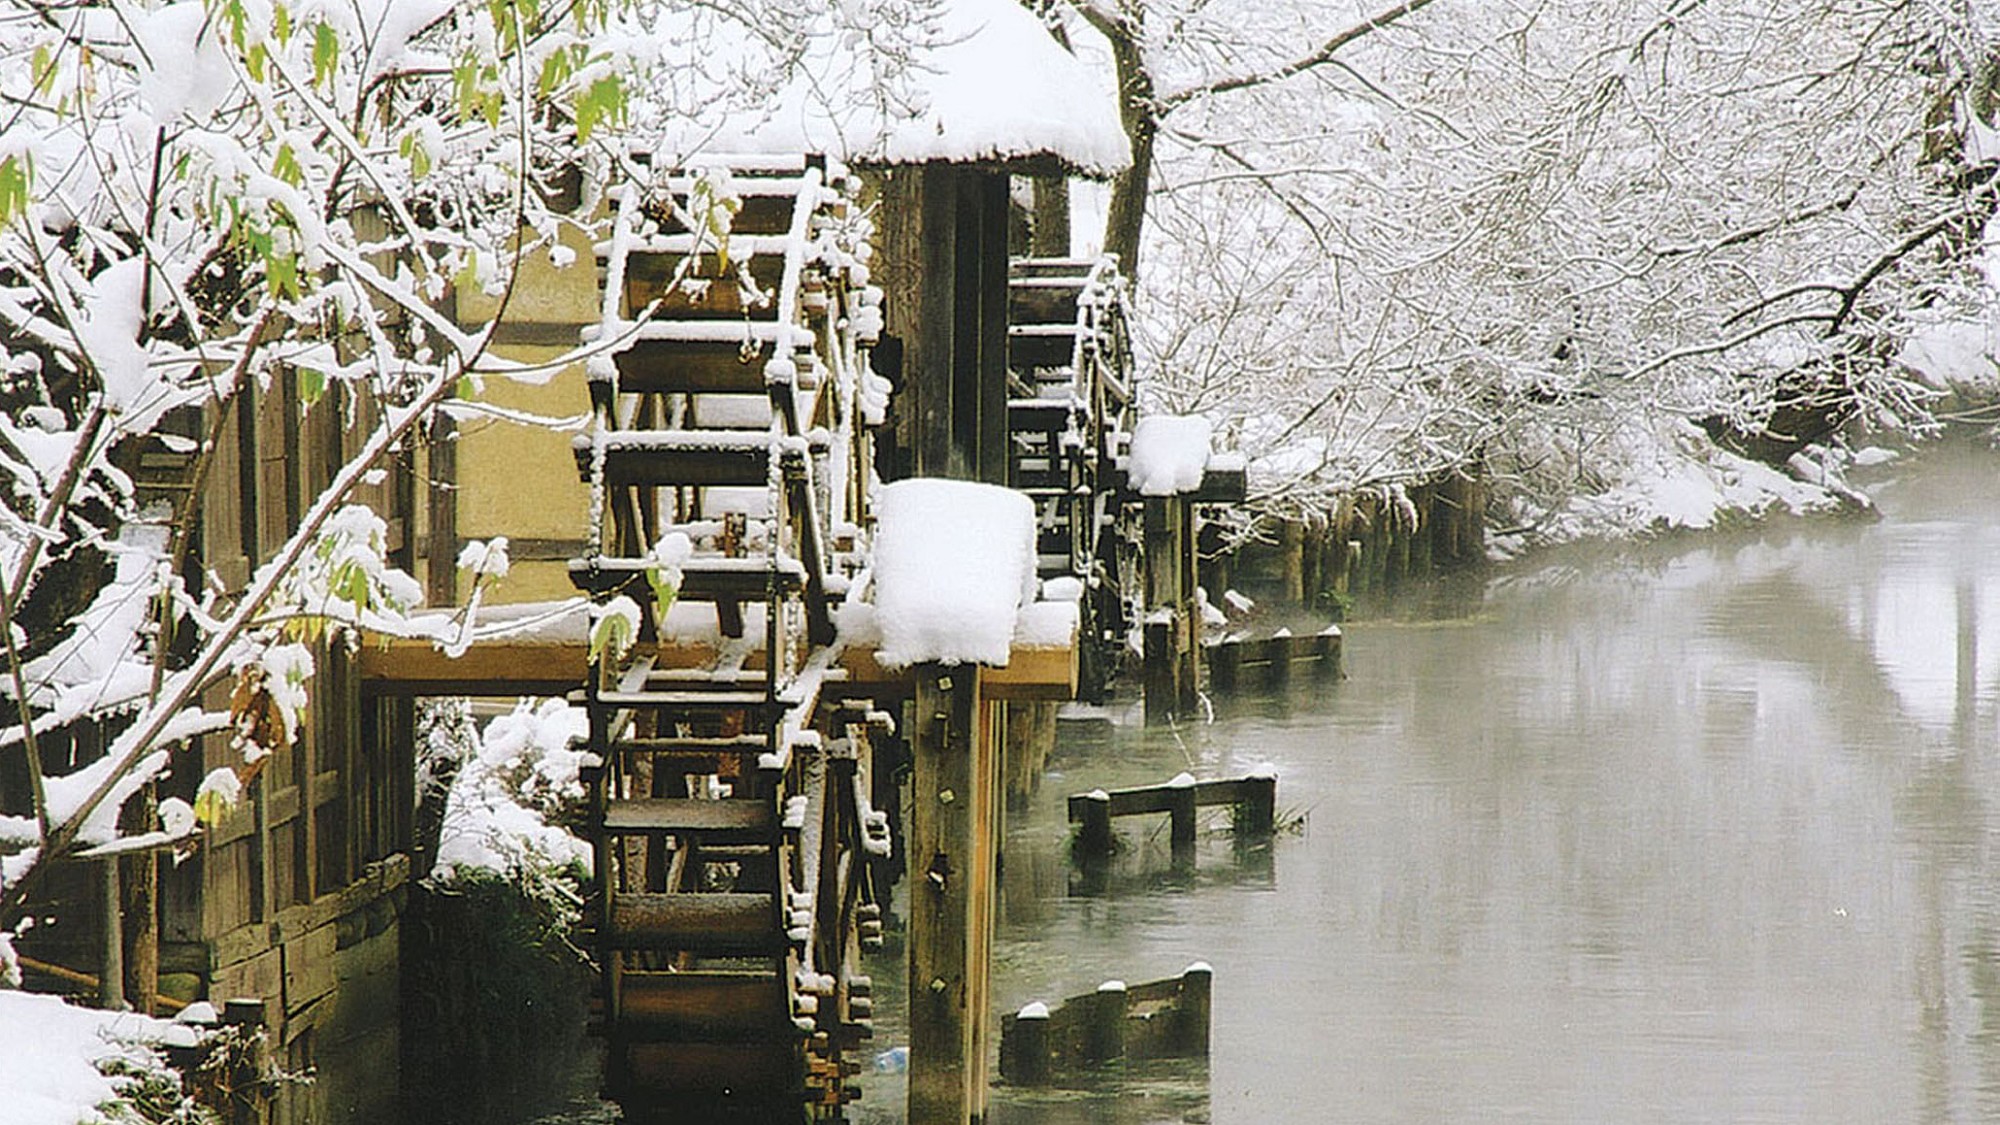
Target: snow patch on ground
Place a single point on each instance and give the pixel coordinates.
(50, 1052)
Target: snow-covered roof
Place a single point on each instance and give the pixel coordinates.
(994, 87)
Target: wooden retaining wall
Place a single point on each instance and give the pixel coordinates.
(1367, 545)
(1157, 1019)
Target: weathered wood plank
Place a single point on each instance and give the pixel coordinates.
(510, 668)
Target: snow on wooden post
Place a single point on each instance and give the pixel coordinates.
(1260, 802)
(1191, 1012)
(1092, 814)
(1029, 1051)
(1104, 1026)
(1168, 461)
(1180, 815)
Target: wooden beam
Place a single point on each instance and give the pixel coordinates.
(544, 667)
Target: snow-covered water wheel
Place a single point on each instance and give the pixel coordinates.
(1070, 416)
(728, 464)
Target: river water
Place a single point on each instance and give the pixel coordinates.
(1698, 831)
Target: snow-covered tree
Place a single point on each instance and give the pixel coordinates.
(203, 197)
(1383, 240)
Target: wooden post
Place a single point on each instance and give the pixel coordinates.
(111, 968)
(1326, 649)
(953, 842)
(1224, 662)
(1279, 671)
(139, 891)
(1291, 549)
(1180, 814)
(1031, 730)
(1092, 813)
(1031, 1046)
(1187, 639)
(1191, 1011)
(1172, 628)
(1104, 1026)
(1162, 672)
(1259, 809)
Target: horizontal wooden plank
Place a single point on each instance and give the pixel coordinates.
(1161, 798)
(740, 1075)
(517, 666)
(726, 1006)
(722, 924)
(746, 821)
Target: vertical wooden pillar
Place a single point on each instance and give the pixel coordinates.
(1188, 682)
(139, 892)
(954, 838)
(1192, 1014)
(1162, 585)
(1173, 625)
(1291, 548)
(111, 966)
(949, 309)
(1031, 734)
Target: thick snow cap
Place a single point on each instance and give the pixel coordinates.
(995, 87)
(954, 563)
(1169, 453)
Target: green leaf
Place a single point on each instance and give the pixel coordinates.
(14, 177)
(282, 271)
(281, 24)
(210, 806)
(326, 54)
(312, 385)
(604, 101)
(42, 70)
(253, 61)
(465, 85)
(285, 166)
(664, 590)
(612, 634)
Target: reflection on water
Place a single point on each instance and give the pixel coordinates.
(1701, 832)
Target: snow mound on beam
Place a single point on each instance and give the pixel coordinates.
(1169, 453)
(954, 563)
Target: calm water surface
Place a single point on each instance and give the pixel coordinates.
(1703, 832)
